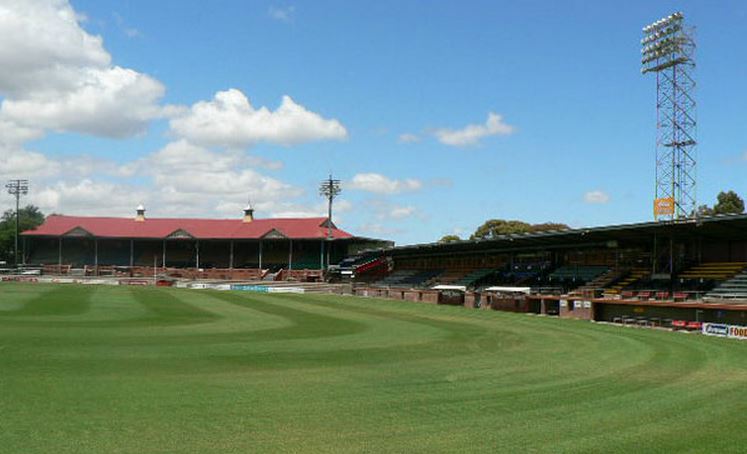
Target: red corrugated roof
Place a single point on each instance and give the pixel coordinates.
(104, 227)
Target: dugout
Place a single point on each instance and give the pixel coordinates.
(610, 311)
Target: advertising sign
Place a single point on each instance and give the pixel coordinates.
(664, 206)
(724, 330)
(250, 288)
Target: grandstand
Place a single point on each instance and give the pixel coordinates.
(698, 266)
(225, 248)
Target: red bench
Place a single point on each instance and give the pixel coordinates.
(679, 324)
(662, 295)
(680, 296)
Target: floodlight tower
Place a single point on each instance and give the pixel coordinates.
(330, 188)
(17, 188)
(669, 52)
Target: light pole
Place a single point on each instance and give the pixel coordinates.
(669, 53)
(329, 188)
(17, 188)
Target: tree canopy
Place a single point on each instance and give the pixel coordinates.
(449, 239)
(727, 202)
(494, 228)
(30, 218)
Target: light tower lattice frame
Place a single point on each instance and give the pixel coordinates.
(669, 52)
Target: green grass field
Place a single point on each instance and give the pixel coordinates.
(117, 369)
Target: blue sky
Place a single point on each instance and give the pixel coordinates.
(391, 97)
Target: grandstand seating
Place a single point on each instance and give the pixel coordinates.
(451, 275)
(635, 275)
(421, 278)
(600, 282)
(525, 273)
(578, 273)
(409, 278)
(474, 277)
(715, 271)
(734, 288)
(396, 277)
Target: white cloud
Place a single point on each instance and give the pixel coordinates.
(408, 138)
(193, 179)
(283, 14)
(472, 134)
(230, 120)
(130, 32)
(292, 210)
(13, 134)
(380, 184)
(189, 168)
(113, 102)
(401, 212)
(88, 197)
(43, 45)
(378, 229)
(56, 76)
(381, 210)
(19, 163)
(596, 197)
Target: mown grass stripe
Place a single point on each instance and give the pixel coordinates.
(199, 371)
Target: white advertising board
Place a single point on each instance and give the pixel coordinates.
(724, 330)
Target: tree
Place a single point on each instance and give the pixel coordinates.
(705, 210)
(30, 218)
(728, 203)
(547, 226)
(449, 239)
(494, 228)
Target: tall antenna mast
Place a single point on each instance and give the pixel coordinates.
(669, 52)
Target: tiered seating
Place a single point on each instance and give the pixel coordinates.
(578, 273)
(734, 288)
(396, 277)
(420, 278)
(599, 282)
(452, 275)
(473, 277)
(635, 275)
(525, 273)
(715, 271)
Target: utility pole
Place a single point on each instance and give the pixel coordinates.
(17, 188)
